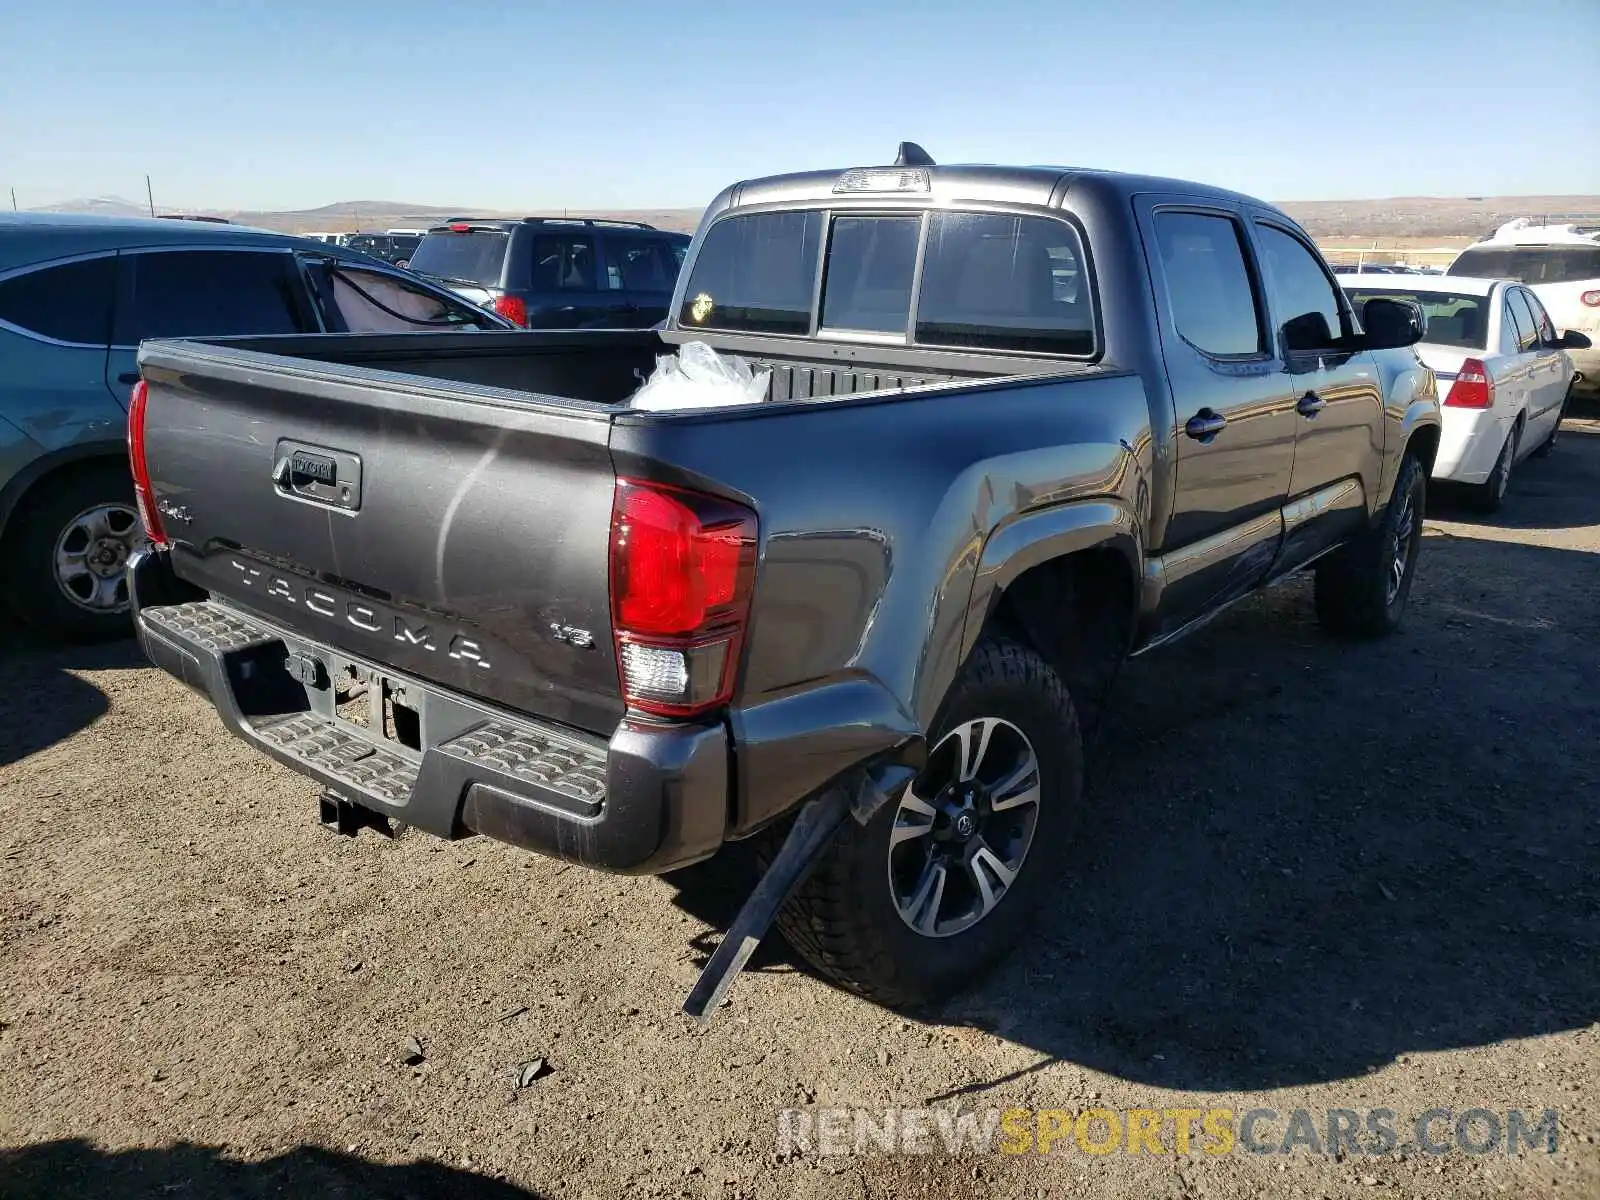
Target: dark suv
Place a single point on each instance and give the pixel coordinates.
(558, 272)
(396, 248)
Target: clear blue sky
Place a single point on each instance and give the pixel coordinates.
(290, 104)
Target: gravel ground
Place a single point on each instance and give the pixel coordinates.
(1319, 875)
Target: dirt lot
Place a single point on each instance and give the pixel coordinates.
(1320, 876)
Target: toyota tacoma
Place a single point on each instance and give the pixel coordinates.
(1018, 424)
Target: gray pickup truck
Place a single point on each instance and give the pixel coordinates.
(1021, 424)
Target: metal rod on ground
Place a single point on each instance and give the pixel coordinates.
(819, 819)
(858, 796)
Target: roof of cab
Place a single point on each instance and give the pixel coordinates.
(973, 182)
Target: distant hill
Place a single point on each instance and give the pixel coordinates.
(1396, 217)
(1427, 216)
(103, 206)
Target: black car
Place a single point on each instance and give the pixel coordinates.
(393, 248)
(558, 272)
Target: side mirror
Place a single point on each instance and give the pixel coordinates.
(1307, 333)
(1572, 340)
(1391, 324)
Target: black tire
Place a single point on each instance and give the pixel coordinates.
(1488, 496)
(844, 918)
(1549, 444)
(29, 552)
(1353, 584)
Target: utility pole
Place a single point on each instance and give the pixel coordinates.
(150, 195)
(13, 199)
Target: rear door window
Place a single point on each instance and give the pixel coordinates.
(70, 302)
(756, 274)
(563, 263)
(474, 256)
(871, 262)
(1527, 329)
(993, 282)
(639, 264)
(1208, 283)
(1547, 329)
(209, 293)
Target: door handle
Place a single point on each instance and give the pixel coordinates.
(1310, 405)
(128, 377)
(1205, 425)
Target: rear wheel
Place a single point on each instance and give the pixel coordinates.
(1488, 496)
(67, 551)
(943, 881)
(1362, 588)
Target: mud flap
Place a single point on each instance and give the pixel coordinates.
(819, 819)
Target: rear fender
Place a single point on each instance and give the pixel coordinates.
(1039, 537)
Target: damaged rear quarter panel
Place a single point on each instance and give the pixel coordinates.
(875, 514)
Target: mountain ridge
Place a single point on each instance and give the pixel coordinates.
(1396, 216)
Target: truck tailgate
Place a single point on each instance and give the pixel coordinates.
(393, 518)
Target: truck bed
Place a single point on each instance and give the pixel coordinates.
(605, 367)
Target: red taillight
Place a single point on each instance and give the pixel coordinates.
(512, 308)
(1473, 388)
(682, 570)
(143, 493)
(458, 228)
(1592, 299)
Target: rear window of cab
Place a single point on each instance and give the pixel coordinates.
(987, 281)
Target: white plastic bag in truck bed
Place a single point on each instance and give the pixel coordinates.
(698, 377)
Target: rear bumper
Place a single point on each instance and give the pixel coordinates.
(1469, 443)
(650, 799)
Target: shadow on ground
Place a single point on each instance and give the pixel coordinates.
(41, 701)
(75, 1169)
(1309, 856)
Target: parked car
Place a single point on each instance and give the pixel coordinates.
(77, 295)
(1508, 373)
(862, 618)
(1561, 265)
(557, 273)
(396, 248)
(1373, 269)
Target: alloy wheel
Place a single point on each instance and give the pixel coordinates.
(1405, 529)
(963, 827)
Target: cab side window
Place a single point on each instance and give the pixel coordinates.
(1208, 283)
(1304, 299)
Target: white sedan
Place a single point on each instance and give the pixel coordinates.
(1503, 376)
